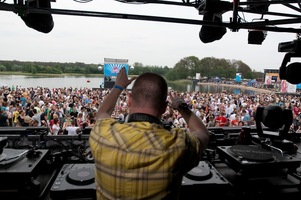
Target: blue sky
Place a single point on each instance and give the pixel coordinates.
(91, 39)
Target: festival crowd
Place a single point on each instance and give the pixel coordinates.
(70, 110)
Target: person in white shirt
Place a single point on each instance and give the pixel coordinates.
(72, 129)
(55, 128)
(229, 110)
(36, 116)
(233, 115)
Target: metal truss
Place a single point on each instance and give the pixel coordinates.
(274, 21)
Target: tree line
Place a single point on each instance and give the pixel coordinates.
(184, 69)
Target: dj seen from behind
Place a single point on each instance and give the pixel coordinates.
(140, 159)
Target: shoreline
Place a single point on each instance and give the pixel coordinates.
(259, 90)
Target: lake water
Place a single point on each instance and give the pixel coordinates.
(50, 82)
(95, 82)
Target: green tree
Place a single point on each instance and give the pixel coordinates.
(258, 75)
(187, 67)
(207, 66)
(17, 68)
(244, 69)
(2, 68)
(33, 70)
(172, 75)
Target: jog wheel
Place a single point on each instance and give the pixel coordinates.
(81, 177)
(199, 173)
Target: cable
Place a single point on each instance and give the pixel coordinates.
(78, 150)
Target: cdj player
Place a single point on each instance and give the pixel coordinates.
(204, 179)
(205, 175)
(19, 174)
(74, 181)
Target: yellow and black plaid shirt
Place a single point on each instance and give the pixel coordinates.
(140, 160)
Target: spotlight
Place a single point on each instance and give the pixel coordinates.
(256, 36)
(275, 118)
(292, 72)
(210, 33)
(212, 11)
(291, 46)
(40, 22)
(258, 5)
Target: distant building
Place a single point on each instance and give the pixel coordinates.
(271, 76)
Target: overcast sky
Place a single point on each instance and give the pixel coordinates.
(91, 39)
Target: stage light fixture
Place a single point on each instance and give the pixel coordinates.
(275, 118)
(258, 5)
(211, 33)
(291, 72)
(290, 47)
(256, 36)
(212, 11)
(40, 22)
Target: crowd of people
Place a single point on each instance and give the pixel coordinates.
(135, 156)
(68, 110)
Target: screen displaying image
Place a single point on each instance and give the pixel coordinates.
(112, 69)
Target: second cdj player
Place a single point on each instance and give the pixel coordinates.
(19, 171)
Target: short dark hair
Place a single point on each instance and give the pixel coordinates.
(150, 88)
